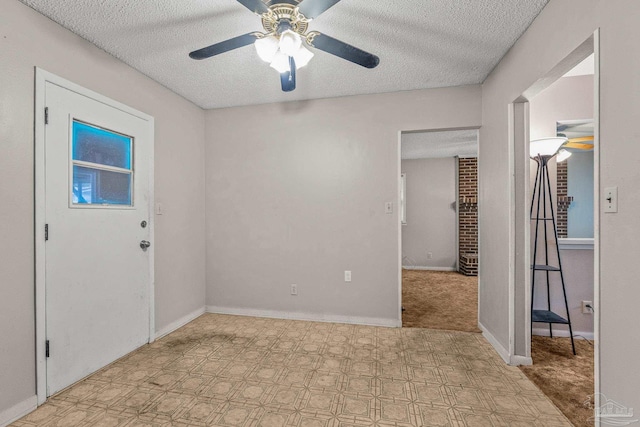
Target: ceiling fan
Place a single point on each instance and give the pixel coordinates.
(285, 26)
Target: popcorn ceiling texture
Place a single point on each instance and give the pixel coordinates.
(421, 44)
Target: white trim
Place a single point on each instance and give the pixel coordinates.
(418, 267)
(40, 252)
(513, 122)
(520, 360)
(457, 203)
(179, 323)
(312, 317)
(596, 220)
(572, 243)
(18, 411)
(43, 77)
(499, 348)
(564, 333)
(399, 183)
(509, 358)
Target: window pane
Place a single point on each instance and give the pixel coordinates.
(95, 145)
(95, 186)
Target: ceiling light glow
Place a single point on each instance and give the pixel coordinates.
(302, 57)
(280, 62)
(290, 42)
(267, 48)
(563, 155)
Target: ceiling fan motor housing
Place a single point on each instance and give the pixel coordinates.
(282, 17)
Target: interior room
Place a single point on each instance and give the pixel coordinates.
(201, 210)
(438, 214)
(565, 109)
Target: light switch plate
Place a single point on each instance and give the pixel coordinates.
(611, 199)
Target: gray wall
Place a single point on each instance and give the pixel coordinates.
(431, 215)
(562, 27)
(28, 39)
(570, 98)
(296, 194)
(580, 187)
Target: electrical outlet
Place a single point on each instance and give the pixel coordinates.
(294, 289)
(347, 275)
(587, 307)
(429, 255)
(388, 208)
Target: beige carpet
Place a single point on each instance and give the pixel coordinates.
(439, 300)
(565, 378)
(242, 371)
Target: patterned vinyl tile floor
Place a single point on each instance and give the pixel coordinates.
(234, 371)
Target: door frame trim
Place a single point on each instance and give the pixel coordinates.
(43, 77)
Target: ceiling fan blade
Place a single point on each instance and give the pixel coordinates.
(314, 8)
(288, 78)
(255, 6)
(222, 47)
(343, 50)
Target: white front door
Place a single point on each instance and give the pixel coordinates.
(97, 275)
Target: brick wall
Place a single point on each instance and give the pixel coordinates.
(468, 216)
(563, 199)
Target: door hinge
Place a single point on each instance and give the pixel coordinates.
(46, 232)
(46, 348)
(46, 115)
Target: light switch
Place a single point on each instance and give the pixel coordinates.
(611, 199)
(159, 210)
(388, 208)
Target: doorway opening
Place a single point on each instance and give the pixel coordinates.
(556, 264)
(439, 236)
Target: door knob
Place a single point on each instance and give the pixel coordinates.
(145, 244)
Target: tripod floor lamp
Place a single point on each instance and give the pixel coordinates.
(546, 233)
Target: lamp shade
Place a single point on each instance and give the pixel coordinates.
(302, 57)
(267, 48)
(546, 146)
(280, 62)
(290, 42)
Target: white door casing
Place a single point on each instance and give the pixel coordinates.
(96, 279)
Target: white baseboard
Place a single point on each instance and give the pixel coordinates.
(179, 323)
(18, 410)
(314, 317)
(417, 267)
(520, 361)
(503, 352)
(544, 332)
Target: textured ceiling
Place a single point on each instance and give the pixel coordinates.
(421, 44)
(427, 145)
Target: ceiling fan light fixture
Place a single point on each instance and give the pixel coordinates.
(280, 62)
(302, 57)
(563, 155)
(290, 42)
(267, 47)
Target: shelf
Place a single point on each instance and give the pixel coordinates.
(544, 316)
(545, 267)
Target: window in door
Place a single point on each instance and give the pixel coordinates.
(102, 163)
